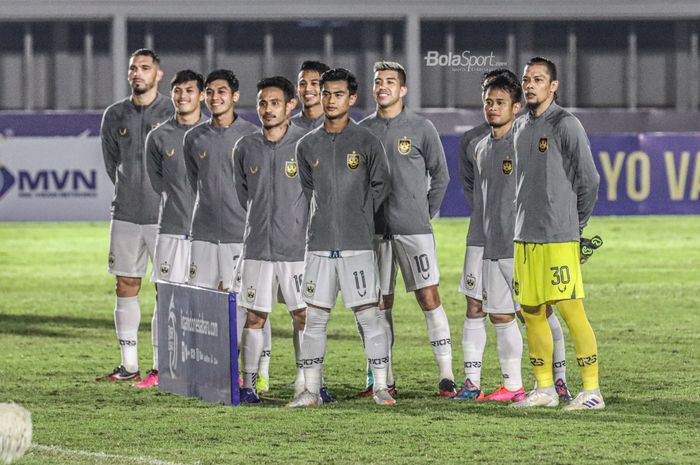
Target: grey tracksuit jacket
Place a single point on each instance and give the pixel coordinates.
(165, 162)
(495, 168)
(470, 178)
(346, 177)
(557, 182)
(123, 132)
(307, 124)
(419, 175)
(267, 182)
(218, 216)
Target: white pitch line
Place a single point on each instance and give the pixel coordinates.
(103, 455)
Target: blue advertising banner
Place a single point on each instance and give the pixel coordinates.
(645, 174)
(648, 174)
(197, 345)
(51, 170)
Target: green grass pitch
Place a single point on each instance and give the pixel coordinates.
(56, 335)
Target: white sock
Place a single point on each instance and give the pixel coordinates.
(388, 324)
(154, 336)
(376, 347)
(297, 338)
(559, 354)
(264, 369)
(241, 317)
(127, 316)
(439, 336)
(252, 344)
(370, 377)
(509, 344)
(313, 347)
(473, 344)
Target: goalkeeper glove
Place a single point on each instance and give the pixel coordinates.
(588, 246)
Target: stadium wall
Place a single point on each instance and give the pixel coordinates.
(72, 54)
(51, 166)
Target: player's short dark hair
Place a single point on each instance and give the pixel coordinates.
(392, 66)
(507, 82)
(551, 67)
(146, 52)
(224, 74)
(340, 74)
(318, 66)
(281, 82)
(488, 75)
(187, 75)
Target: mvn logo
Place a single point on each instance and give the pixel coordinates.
(6, 181)
(47, 181)
(60, 180)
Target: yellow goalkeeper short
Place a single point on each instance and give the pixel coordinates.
(546, 273)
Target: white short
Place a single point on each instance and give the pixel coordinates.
(172, 262)
(417, 259)
(470, 282)
(261, 280)
(211, 264)
(130, 246)
(354, 273)
(498, 286)
(386, 264)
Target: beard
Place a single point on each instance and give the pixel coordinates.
(140, 89)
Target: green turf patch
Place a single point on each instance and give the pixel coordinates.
(57, 334)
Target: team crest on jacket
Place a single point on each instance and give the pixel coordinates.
(170, 152)
(353, 160)
(254, 169)
(542, 145)
(314, 164)
(155, 125)
(290, 168)
(193, 270)
(123, 132)
(507, 166)
(250, 294)
(111, 259)
(165, 268)
(202, 154)
(309, 288)
(404, 146)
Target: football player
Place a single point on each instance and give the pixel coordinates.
(134, 225)
(557, 187)
(419, 179)
(166, 170)
(344, 174)
(218, 220)
(268, 187)
(493, 167)
(309, 93)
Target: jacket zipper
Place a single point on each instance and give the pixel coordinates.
(218, 188)
(271, 201)
(334, 183)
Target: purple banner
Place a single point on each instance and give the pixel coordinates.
(640, 174)
(648, 174)
(645, 174)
